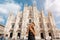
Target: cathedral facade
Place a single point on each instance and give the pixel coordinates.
(45, 27)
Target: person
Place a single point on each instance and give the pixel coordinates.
(2, 37)
(31, 31)
(6, 38)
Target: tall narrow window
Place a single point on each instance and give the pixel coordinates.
(11, 34)
(13, 25)
(41, 25)
(50, 34)
(20, 19)
(6, 35)
(20, 26)
(42, 36)
(39, 19)
(18, 35)
(29, 20)
(48, 25)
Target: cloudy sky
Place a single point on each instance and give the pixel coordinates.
(14, 5)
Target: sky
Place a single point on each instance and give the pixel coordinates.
(14, 5)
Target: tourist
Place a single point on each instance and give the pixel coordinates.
(6, 38)
(2, 37)
(31, 31)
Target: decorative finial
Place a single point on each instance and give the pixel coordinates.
(26, 5)
(49, 13)
(10, 13)
(34, 3)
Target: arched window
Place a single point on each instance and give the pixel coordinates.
(42, 36)
(19, 25)
(20, 19)
(39, 19)
(6, 35)
(50, 34)
(41, 25)
(29, 20)
(18, 35)
(13, 24)
(11, 34)
(48, 25)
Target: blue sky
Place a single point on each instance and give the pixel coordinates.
(13, 5)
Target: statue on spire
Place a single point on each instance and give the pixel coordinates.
(34, 3)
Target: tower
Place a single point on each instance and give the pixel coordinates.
(25, 21)
(52, 23)
(36, 20)
(44, 25)
(17, 26)
(9, 25)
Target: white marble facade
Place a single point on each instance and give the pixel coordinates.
(16, 26)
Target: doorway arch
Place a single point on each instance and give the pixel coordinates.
(50, 33)
(42, 35)
(11, 34)
(18, 35)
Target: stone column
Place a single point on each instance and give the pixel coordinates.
(52, 21)
(25, 22)
(44, 25)
(36, 21)
(45, 29)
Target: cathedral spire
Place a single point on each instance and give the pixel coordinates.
(49, 14)
(26, 7)
(10, 13)
(42, 13)
(34, 3)
(34, 7)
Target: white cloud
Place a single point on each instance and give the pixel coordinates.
(58, 22)
(1, 19)
(49, 3)
(5, 8)
(8, 7)
(54, 6)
